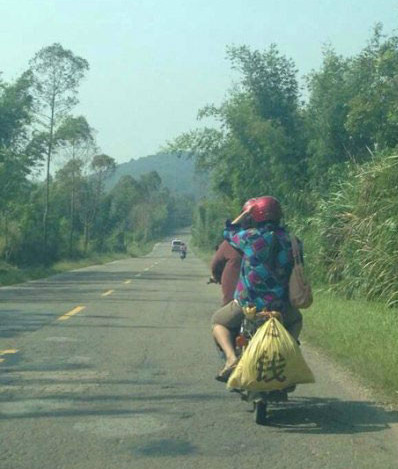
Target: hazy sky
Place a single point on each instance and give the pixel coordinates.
(154, 63)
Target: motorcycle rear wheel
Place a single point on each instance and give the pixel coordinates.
(260, 413)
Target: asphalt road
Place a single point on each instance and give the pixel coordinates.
(113, 366)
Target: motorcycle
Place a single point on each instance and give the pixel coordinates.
(183, 255)
(259, 400)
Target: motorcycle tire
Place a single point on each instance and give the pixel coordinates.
(260, 413)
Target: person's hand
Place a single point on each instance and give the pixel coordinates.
(242, 215)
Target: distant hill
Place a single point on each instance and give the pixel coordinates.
(177, 173)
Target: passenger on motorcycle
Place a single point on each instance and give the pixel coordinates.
(183, 251)
(264, 276)
(225, 268)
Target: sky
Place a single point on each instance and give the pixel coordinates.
(154, 63)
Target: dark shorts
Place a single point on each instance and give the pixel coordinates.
(231, 316)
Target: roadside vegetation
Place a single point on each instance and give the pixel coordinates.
(53, 202)
(332, 160)
(11, 274)
(360, 334)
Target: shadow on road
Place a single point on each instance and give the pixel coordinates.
(165, 447)
(330, 416)
(16, 322)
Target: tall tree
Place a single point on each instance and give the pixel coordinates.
(57, 73)
(372, 120)
(329, 142)
(75, 139)
(271, 80)
(16, 161)
(259, 146)
(101, 166)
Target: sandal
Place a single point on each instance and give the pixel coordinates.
(225, 373)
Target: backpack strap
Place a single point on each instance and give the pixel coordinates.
(295, 250)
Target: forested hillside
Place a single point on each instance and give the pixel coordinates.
(69, 214)
(176, 171)
(331, 159)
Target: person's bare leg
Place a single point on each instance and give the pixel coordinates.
(224, 338)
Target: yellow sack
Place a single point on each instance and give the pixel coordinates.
(272, 361)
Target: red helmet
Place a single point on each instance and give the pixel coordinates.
(266, 208)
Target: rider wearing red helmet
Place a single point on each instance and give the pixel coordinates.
(264, 276)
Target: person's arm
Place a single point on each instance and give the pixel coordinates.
(217, 264)
(233, 232)
(238, 237)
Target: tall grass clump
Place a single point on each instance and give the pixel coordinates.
(357, 231)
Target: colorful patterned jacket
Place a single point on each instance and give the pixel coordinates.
(266, 265)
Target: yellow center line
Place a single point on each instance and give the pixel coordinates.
(127, 281)
(71, 313)
(8, 351)
(107, 293)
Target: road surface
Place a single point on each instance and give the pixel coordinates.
(112, 367)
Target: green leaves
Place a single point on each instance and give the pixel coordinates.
(358, 235)
(257, 146)
(56, 74)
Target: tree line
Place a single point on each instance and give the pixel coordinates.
(69, 214)
(328, 156)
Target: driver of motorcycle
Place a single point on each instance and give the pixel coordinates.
(267, 263)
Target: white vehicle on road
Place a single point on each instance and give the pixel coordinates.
(176, 245)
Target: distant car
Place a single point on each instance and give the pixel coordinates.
(176, 245)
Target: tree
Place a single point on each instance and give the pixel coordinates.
(125, 195)
(102, 166)
(16, 161)
(259, 146)
(150, 183)
(329, 142)
(56, 73)
(271, 80)
(75, 139)
(372, 120)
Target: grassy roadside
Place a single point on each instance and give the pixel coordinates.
(360, 335)
(10, 275)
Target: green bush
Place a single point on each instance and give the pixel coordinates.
(356, 232)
